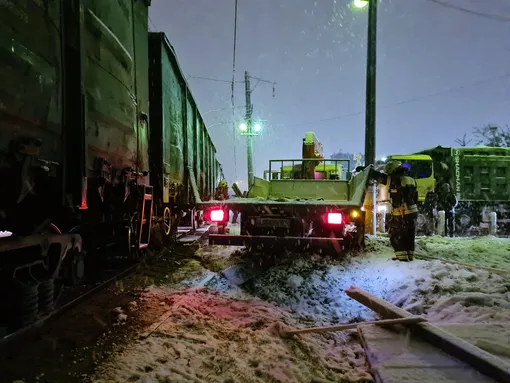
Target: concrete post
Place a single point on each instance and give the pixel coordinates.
(382, 222)
(493, 223)
(440, 222)
(374, 209)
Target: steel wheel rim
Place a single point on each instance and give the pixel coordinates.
(167, 221)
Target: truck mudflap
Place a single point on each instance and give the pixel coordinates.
(296, 243)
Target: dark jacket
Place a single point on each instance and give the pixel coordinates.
(402, 191)
(447, 201)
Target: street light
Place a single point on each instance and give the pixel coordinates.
(371, 78)
(360, 3)
(251, 129)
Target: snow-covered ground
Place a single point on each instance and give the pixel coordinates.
(217, 332)
(483, 251)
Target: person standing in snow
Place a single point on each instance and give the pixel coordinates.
(430, 207)
(403, 195)
(447, 202)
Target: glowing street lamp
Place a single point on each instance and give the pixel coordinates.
(360, 3)
(250, 128)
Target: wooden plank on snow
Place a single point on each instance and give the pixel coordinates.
(484, 362)
(395, 356)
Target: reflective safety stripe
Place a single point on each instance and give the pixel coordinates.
(404, 210)
(401, 255)
(411, 209)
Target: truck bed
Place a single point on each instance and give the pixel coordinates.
(346, 193)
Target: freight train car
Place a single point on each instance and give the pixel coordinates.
(185, 170)
(74, 141)
(75, 144)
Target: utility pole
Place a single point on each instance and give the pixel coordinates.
(370, 112)
(248, 128)
(249, 125)
(370, 108)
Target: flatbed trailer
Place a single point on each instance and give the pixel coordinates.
(324, 212)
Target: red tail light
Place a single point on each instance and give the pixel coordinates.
(335, 218)
(217, 215)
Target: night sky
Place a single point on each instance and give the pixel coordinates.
(441, 71)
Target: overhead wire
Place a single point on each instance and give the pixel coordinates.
(213, 79)
(152, 24)
(471, 12)
(414, 99)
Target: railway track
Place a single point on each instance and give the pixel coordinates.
(76, 295)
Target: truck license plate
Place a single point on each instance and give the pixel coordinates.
(273, 222)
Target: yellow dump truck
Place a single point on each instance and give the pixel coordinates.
(479, 176)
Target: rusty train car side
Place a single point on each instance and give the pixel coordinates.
(81, 167)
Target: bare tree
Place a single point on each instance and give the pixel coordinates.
(463, 141)
(492, 135)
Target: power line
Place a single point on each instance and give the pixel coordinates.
(471, 12)
(419, 98)
(212, 79)
(153, 26)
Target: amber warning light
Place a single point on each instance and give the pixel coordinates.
(335, 218)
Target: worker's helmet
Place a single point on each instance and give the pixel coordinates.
(223, 184)
(392, 166)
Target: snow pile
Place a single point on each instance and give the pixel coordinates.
(314, 291)
(483, 251)
(209, 337)
(451, 294)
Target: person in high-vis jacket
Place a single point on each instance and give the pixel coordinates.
(221, 193)
(403, 195)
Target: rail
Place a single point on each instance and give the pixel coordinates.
(15, 336)
(334, 166)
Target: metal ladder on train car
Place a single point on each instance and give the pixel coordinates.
(146, 218)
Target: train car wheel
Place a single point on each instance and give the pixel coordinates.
(74, 268)
(167, 221)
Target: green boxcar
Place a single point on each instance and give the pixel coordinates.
(74, 99)
(184, 168)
